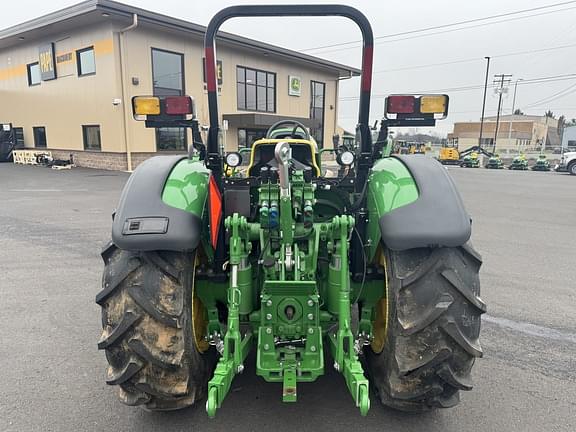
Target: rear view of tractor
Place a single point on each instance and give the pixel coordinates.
(519, 163)
(542, 164)
(495, 162)
(369, 272)
(470, 161)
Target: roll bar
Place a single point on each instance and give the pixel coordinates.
(213, 158)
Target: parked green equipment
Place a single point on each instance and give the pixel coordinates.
(519, 163)
(495, 162)
(470, 161)
(542, 164)
(207, 264)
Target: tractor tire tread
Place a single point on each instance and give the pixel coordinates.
(147, 330)
(433, 328)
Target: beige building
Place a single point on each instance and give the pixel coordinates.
(516, 133)
(67, 79)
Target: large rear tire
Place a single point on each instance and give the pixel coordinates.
(427, 328)
(150, 321)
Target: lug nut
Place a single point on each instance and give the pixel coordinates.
(310, 316)
(268, 317)
(269, 330)
(310, 303)
(313, 348)
(310, 330)
(266, 347)
(269, 303)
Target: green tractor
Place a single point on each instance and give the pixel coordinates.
(470, 161)
(372, 269)
(494, 162)
(519, 163)
(542, 164)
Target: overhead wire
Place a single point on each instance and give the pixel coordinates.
(529, 81)
(454, 24)
(441, 32)
(415, 33)
(475, 59)
(565, 92)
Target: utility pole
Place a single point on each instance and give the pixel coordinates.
(512, 113)
(499, 79)
(484, 101)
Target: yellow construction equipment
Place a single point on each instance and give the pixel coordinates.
(449, 154)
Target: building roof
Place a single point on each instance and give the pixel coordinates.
(91, 11)
(522, 117)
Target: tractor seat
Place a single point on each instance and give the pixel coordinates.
(263, 155)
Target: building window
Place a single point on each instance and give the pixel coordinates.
(317, 101)
(167, 73)
(18, 137)
(168, 80)
(86, 61)
(171, 139)
(91, 137)
(571, 143)
(247, 137)
(39, 133)
(255, 90)
(34, 74)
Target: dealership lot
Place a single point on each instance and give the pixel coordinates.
(53, 225)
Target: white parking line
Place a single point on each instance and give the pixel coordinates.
(531, 329)
(48, 190)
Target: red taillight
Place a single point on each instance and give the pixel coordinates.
(215, 205)
(400, 104)
(178, 105)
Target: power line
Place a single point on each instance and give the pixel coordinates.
(553, 97)
(426, 29)
(444, 31)
(539, 80)
(469, 60)
(553, 78)
(475, 59)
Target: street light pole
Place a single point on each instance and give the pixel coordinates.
(484, 100)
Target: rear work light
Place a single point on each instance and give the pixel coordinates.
(145, 105)
(416, 106)
(163, 106)
(434, 104)
(400, 104)
(178, 105)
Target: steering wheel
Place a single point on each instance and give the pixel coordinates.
(297, 125)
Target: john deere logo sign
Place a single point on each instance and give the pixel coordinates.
(294, 85)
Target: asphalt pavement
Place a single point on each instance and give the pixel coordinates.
(54, 223)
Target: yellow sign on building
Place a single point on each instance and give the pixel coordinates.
(47, 62)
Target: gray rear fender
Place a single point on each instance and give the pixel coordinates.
(437, 218)
(143, 222)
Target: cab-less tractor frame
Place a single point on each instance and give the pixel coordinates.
(207, 264)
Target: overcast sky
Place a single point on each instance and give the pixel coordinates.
(464, 49)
